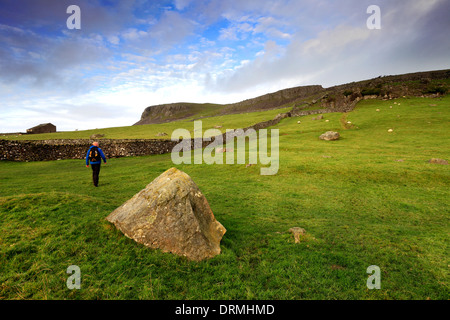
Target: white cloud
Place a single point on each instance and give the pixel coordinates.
(119, 61)
(338, 54)
(182, 4)
(114, 39)
(133, 34)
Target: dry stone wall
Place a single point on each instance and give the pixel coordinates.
(77, 149)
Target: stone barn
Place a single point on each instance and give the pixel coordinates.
(43, 128)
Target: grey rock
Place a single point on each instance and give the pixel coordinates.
(171, 214)
(330, 136)
(96, 136)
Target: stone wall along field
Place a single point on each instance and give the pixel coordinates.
(77, 149)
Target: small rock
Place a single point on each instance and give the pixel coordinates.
(378, 110)
(221, 150)
(161, 134)
(330, 136)
(438, 161)
(327, 120)
(96, 136)
(298, 122)
(337, 267)
(390, 130)
(297, 231)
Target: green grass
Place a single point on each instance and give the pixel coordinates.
(359, 206)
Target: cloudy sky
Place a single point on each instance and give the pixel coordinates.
(132, 54)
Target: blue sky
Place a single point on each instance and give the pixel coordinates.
(132, 54)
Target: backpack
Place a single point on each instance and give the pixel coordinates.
(94, 155)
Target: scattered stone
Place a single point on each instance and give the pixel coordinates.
(378, 110)
(297, 231)
(399, 160)
(217, 127)
(249, 165)
(221, 150)
(161, 134)
(327, 120)
(390, 107)
(433, 105)
(337, 267)
(171, 214)
(298, 122)
(391, 130)
(438, 161)
(330, 136)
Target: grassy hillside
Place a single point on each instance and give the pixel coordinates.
(370, 198)
(150, 131)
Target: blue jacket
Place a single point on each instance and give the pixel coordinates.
(95, 162)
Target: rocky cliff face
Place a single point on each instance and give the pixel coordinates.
(273, 100)
(176, 111)
(163, 113)
(341, 97)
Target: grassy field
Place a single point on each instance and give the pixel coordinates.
(370, 198)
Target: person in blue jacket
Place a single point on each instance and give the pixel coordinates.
(95, 156)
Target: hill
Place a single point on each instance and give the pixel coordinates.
(177, 111)
(339, 97)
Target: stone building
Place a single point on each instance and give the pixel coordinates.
(42, 128)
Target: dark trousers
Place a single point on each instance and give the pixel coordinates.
(95, 173)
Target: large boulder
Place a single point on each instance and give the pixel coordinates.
(171, 214)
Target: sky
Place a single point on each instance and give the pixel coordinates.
(128, 55)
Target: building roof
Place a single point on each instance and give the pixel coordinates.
(42, 125)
